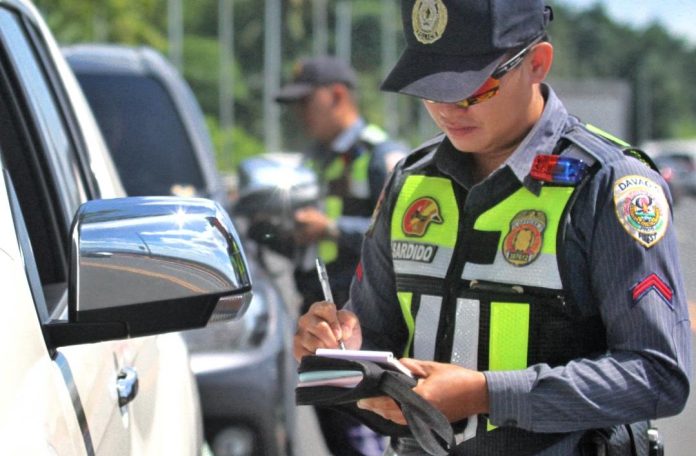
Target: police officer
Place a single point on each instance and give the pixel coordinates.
(524, 263)
(352, 159)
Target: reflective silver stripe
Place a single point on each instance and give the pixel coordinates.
(542, 272)
(466, 334)
(465, 350)
(427, 322)
(436, 268)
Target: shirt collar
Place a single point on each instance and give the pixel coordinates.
(541, 139)
(345, 140)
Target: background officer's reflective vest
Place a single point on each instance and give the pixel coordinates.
(484, 291)
(348, 189)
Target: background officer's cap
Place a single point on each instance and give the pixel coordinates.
(315, 72)
(453, 46)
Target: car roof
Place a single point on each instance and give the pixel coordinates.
(116, 59)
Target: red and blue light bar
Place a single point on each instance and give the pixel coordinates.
(558, 170)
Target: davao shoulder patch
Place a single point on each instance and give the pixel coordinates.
(642, 209)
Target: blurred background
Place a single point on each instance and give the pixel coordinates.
(630, 63)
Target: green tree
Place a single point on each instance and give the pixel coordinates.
(589, 43)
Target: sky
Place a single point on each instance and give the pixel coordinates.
(678, 16)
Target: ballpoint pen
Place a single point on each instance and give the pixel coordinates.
(326, 288)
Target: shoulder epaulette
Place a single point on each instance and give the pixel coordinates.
(627, 149)
(601, 146)
(587, 145)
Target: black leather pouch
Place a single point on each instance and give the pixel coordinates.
(426, 424)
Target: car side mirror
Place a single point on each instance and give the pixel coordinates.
(149, 265)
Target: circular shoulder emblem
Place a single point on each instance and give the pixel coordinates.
(642, 209)
(419, 215)
(523, 242)
(429, 19)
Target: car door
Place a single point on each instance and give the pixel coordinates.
(76, 406)
(40, 156)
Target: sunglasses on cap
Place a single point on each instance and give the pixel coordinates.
(491, 86)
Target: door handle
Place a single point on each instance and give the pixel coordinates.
(126, 385)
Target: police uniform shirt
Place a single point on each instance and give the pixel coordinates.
(644, 374)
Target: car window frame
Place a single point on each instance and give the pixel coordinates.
(42, 158)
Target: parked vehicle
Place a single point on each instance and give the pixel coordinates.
(679, 170)
(88, 285)
(157, 135)
(676, 160)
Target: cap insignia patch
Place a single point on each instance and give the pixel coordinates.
(523, 242)
(642, 208)
(429, 18)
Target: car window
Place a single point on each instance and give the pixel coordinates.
(38, 155)
(146, 138)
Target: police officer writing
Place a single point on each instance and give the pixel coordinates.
(352, 159)
(523, 263)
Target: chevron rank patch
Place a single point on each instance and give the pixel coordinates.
(653, 282)
(642, 209)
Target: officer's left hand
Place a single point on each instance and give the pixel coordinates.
(455, 391)
(312, 225)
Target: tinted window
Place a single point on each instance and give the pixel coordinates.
(144, 133)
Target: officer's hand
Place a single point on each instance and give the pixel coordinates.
(322, 326)
(455, 391)
(312, 226)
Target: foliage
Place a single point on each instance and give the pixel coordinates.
(588, 44)
(658, 65)
(119, 21)
(232, 146)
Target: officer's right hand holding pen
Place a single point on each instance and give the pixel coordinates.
(323, 326)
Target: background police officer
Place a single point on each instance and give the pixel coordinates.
(553, 303)
(352, 159)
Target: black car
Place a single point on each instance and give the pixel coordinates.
(157, 136)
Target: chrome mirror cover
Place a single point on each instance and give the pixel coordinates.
(155, 262)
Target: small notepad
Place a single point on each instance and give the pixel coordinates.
(380, 357)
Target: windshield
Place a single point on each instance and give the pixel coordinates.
(145, 135)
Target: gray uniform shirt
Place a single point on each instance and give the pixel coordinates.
(645, 372)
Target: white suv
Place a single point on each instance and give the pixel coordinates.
(87, 286)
